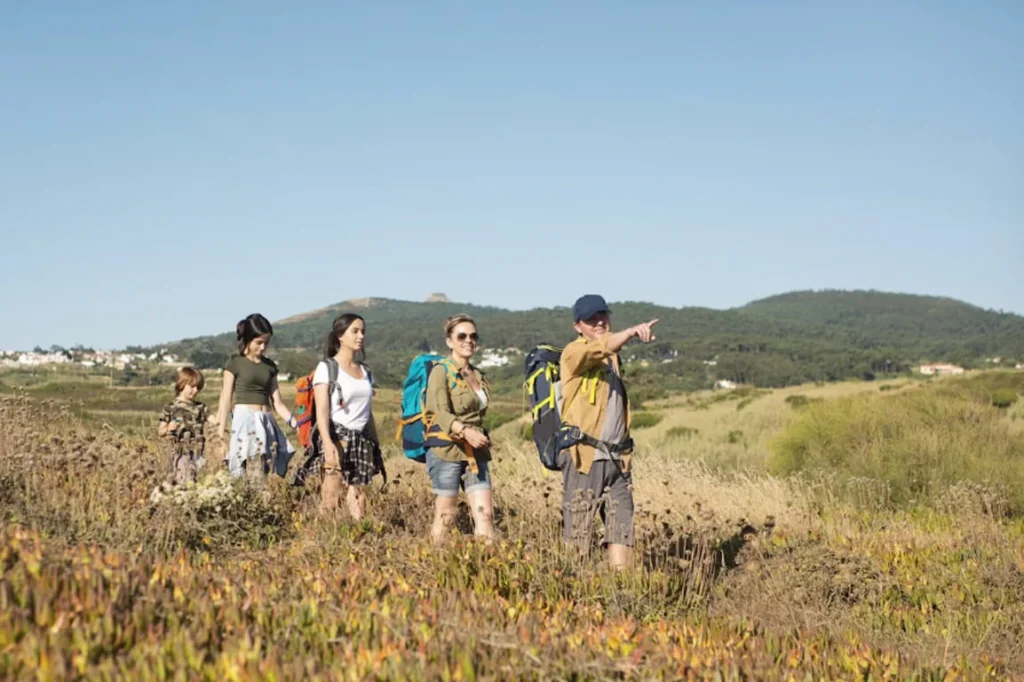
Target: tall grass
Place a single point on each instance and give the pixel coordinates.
(917, 443)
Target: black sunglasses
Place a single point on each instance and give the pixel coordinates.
(462, 336)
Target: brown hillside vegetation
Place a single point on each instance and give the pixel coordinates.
(820, 573)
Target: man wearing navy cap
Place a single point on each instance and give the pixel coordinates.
(595, 460)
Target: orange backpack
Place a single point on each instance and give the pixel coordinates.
(305, 403)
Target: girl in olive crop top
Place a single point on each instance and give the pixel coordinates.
(250, 387)
(254, 381)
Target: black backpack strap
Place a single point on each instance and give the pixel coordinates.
(571, 435)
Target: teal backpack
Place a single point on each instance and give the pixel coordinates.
(412, 428)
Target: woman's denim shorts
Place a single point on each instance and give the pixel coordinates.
(448, 477)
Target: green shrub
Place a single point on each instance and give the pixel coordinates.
(638, 395)
(989, 382)
(735, 437)
(1004, 397)
(918, 442)
(721, 397)
(682, 432)
(492, 420)
(797, 401)
(645, 420)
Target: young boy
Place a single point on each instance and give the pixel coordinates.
(596, 474)
(183, 421)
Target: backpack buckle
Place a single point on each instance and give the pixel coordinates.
(570, 435)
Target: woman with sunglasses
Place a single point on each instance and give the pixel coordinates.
(458, 453)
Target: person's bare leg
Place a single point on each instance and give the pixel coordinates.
(481, 503)
(445, 509)
(356, 500)
(620, 556)
(330, 489)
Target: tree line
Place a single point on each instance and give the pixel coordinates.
(790, 339)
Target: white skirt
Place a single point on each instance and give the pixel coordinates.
(257, 442)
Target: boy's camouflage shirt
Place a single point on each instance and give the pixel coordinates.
(192, 417)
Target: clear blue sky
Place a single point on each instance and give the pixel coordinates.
(168, 168)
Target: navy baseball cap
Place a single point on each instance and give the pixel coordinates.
(588, 306)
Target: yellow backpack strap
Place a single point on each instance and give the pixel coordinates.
(593, 389)
(405, 422)
(592, 378)
(531, 382)
(451, 372)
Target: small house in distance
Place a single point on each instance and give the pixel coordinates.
(494, 358)
(940, 369)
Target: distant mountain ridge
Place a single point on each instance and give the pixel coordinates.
(841, 333)
(332, 310)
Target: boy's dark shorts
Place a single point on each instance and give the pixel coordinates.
(605, 489)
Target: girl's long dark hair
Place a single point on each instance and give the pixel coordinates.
(338, 329)
(252, 327)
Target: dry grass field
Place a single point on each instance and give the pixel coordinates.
(776, 540)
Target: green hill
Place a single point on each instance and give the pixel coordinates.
(777, 341)
(887, 317)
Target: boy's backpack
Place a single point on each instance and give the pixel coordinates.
(412, 427)
(305, 402)
(543, 388)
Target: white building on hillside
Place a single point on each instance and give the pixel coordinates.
(493, 358)
(940, 369)
(34, 359)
